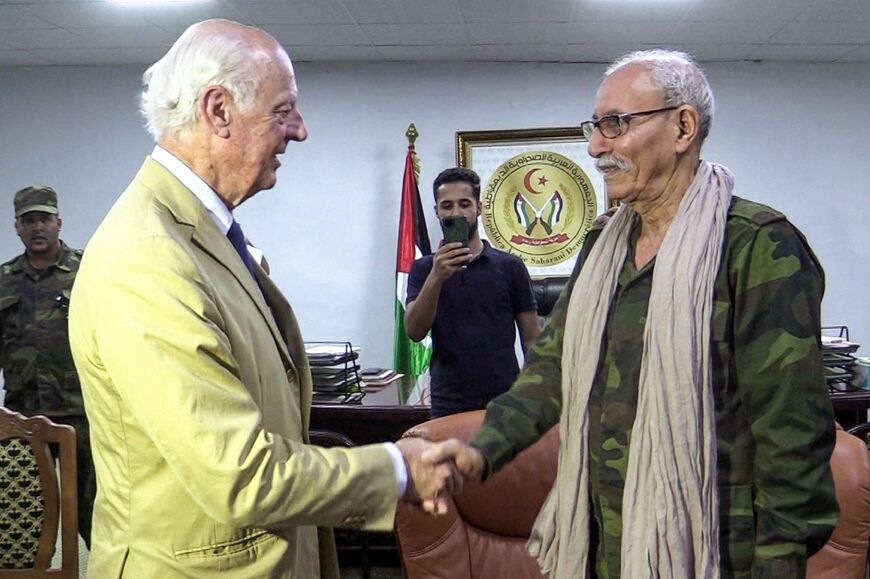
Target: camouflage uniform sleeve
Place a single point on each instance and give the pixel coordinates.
(2, 351)
(519, 417)
(780, 381)
(4, 291)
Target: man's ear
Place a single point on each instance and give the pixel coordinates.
(214, 108)
(59, 222)
(688, 125)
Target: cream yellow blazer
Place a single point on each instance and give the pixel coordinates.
(198, 413)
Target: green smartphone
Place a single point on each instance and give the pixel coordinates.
(455, 228)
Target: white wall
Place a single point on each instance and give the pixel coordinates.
(795, 135)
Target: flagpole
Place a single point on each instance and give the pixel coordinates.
(412, 135)
(410, 358)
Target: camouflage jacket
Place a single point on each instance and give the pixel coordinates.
(38, 369)
(773, 417)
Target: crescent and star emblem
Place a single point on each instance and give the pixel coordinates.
(538, 205)
(528, 215)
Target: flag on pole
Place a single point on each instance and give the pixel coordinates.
(409, 357)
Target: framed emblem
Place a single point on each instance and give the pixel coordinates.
(540, 193)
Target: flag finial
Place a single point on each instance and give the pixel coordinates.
(412, 134)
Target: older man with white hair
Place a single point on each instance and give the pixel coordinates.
(192, 366)
(682, 364)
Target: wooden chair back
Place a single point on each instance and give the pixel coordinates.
(32, 504)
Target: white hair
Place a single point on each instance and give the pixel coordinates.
(680, 79)
(201, 57)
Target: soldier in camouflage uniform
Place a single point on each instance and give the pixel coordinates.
(773, 418)
(38, 371)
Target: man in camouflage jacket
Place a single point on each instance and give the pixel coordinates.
(774, 422)
(38, 371)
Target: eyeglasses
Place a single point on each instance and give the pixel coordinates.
(612, 126)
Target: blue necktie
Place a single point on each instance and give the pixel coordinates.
(237, 238)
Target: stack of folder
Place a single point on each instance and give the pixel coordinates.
(838, 359)
(374, 378)
(334, 372)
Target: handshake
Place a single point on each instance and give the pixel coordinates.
(437, 470)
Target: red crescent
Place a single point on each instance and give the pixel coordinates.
(527, 179)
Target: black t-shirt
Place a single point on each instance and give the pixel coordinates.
(473, 335)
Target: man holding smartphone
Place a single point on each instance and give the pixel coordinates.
(473, 298)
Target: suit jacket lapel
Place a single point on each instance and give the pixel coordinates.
(205, 234)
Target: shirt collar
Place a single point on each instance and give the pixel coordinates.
(64, 257)
(485, 252)
(218, 212)
(62, 262)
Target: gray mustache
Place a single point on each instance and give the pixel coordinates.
(611, 161)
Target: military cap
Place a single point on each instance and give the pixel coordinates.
(35, 199)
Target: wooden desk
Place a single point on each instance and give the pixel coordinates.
(379, 418)
(856, 400)
(850, 408)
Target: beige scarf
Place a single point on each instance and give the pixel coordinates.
(670, 512)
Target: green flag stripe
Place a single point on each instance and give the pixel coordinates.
(409, 357)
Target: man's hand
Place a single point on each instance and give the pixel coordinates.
(467, 459)
(430, 482)
(420, 312)
(450, 258)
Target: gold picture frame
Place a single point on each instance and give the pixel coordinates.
(496, 155)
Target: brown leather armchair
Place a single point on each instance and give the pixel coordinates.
(546, 291)
(484, 533)
(844, 556)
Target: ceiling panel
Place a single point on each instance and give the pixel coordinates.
(598, 52)
(483, 30)
(405, 53)
(295, 12)
(839, 11)
(128, 36)
(19, 2)
(19, 17)
(47, 38)
(415, 34)
(403, 12)
(627, 32)
(93, 14)
(748, 10)
(185, 13)
(518, 33)
(318, 35)
(618, 13)
(20, 58)
(332, 53)
(800, 53)
(519, 52)
(724, 32)
(707, 52)
(100, 56)
(860, 54)
(515, 10)
(823, 33)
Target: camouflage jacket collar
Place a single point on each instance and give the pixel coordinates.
(64, 262)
